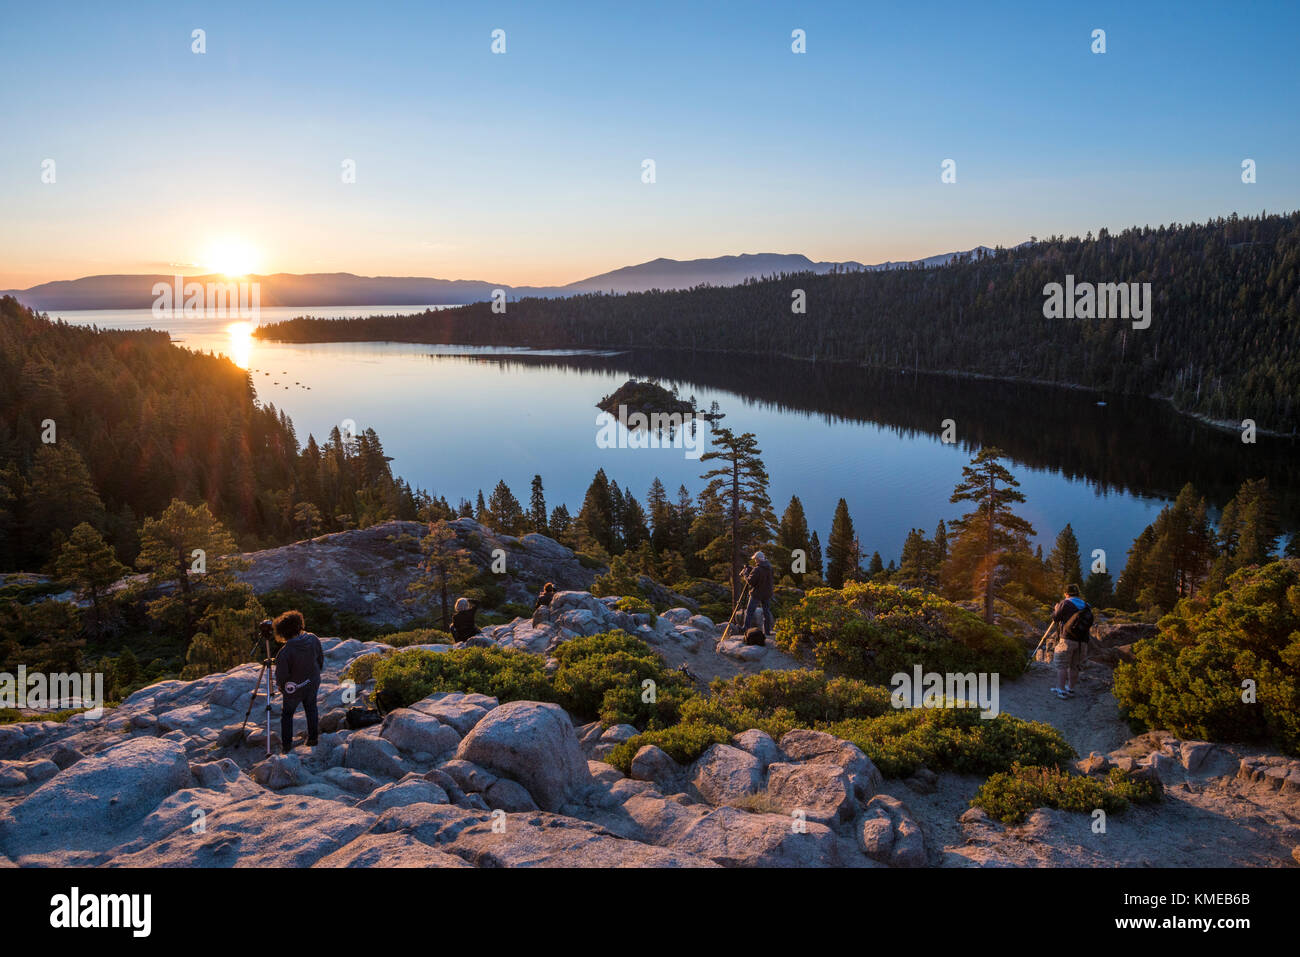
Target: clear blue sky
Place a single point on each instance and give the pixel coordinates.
(525, 168)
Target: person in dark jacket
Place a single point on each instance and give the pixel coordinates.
(462, 622)
(543, 602)
(762, 583)
(297, 672)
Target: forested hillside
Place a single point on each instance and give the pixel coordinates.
(108, 427)
(1224, 339)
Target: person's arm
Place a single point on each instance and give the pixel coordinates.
(281, 668)
(320, 655)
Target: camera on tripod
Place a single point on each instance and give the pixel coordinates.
(263, 638)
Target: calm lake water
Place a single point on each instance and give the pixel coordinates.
(456, 419)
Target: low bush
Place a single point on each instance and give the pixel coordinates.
(683, 742)
(1189, 677)
(603, 677)
(873, 631)
(1012, 795)
(952, 739)
(599, 677)
(406, 676)
(417, 636)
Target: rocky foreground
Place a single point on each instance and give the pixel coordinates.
(461, 780)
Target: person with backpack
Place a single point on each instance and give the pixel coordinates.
(297, 672)
(462, 622)
(762, 583)
(543, 603)
(1073, 619)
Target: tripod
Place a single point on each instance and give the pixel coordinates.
(268, 666)
(1034, 654)
(743, 592)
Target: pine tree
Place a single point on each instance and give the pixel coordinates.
(596, 520)
(663, 520)
(59, 495)
(1099, 590)
(1064, 562)
(793, 536)
(1130, 580)
(916, 567)
(988, 538)
(89, 563)
(446, 567)
(815, 554)
(187, 547)
(537, 507)
(840, 565)
(635, 531)
(876, 567)
(504, 512)
(307, 517)
(561, 523)
(481, 510)
(740, 483)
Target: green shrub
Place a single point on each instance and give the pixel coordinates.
(636, 606)
(955, 739)
(1188, 677)
(417, 636)
(684, 743)
(601, 676)
(362, 668)
(1012, 795)
(406, 676)
(873, 631)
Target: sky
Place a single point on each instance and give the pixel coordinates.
(527, 167)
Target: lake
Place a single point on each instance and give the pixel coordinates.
(456, 419)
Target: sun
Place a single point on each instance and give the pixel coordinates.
(232, 257)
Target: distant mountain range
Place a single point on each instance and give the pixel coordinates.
(345, 289)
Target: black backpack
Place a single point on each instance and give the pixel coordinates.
(1080, 623)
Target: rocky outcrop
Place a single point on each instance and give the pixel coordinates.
(533, 744)
(366, 571)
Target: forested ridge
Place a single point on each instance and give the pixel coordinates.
(1224, 341)
(107, 427)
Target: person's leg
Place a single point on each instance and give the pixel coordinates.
(287, 708)
(750, 607)
(313, 722)
(767, 616)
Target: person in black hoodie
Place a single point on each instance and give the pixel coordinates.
(297, 672)
(462, 622)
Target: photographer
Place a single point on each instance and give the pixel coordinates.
(297, 672)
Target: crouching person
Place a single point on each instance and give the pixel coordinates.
(297, 672)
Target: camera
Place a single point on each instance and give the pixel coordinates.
(266, 629)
